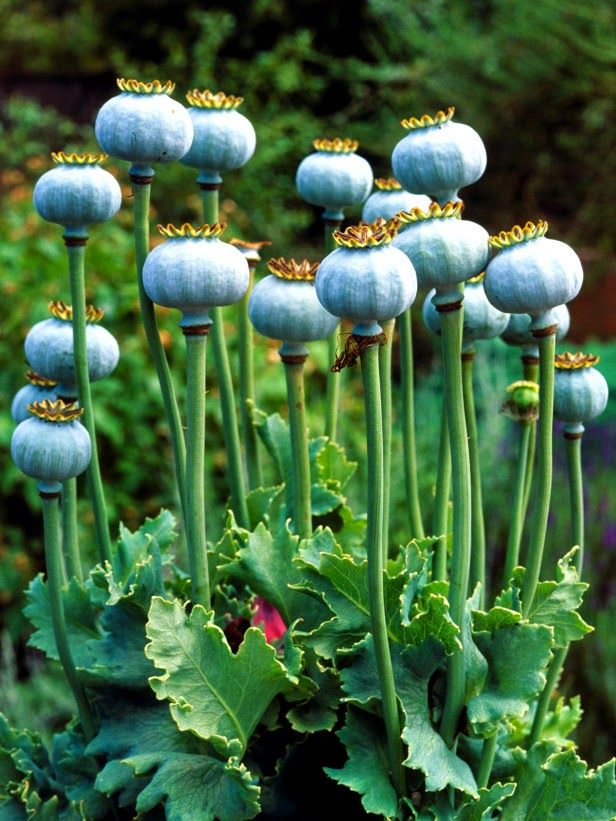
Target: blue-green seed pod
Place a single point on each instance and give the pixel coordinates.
(444, 249)
(37, 389)
(531, 274)
(52, 445)
(49, 348)
(389, 199)
(438, 157)
(366, 279)
(334, 177)
(481, 319)
(285, 306)
(77, 192)
(518, 330)
(224, 139)
(580, 391)
(194, 271)
(144, 125)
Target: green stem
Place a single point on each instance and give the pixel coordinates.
(478, 531)
(530, 366)
(488, 751)
(374, 437)
(70, 538)
(195, 464)
(332, 396)
(75, 247)
(440, 516)
(247, 388)
(209, 197)
(451, 321)
(302, 515)
(141, 204)
(385, 380)
(553, 674)
(539, 523)
(53, 559)
(409, 448)
(516, 524)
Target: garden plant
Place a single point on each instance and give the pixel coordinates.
(209, 664)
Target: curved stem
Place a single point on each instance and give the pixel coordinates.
(478, 531)
(209, 197)
(385, 352)
(141, 205)
(332, 396)
(440, 515)
(451, 326)
(76, 253)
(407, 399)
(488, 751)
(553, 674)
(544, 471)
(70, 540)
(516, 523)
(302, 516)
(530, 365)
(53, 560)
(195, 466)
(372, 399)
(247, 388)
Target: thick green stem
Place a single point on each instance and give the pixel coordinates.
(76, 252)
(53, 559)
(374, 437)
(451, 320)
(247, 388)
(195, 464)
(488, 751)
(385, 380)
(332, 396)
(478, 530)
(302, 516)
(544, 471)
(531, 373)
(209, 197)
(516, 523)
(70, 539)
(440, 515)
(141, 204)
(409, 449)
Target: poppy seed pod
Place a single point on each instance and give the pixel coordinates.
(37, 389)
(77, 192)
(531, 274)
(389, 199)
(144, 125)
(438, 157)
(334, 177)
(481, 319)
(580, 391)
(285, 306)
(49, 348)
(444, 249)
(53, 445)
(223, 138)
(518, 330)
(366, 279)
(194, 271)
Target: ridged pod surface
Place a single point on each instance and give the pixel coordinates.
(286, 306)
(518, 330)
(481, 319)
(193, 271)
(532, 274)
(223, 139)
(438, 157)
(144, 125)
(389, 199)
(366, 279)
(444, 249)
(37, 389)
(77, 192)
(334, 177)
(580, 391)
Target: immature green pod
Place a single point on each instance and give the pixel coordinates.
(389, 199)
(37, 389)
(580, 391)
(52, 445)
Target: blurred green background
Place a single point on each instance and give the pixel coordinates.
(536, 79)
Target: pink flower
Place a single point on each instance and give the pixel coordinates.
(267, 615)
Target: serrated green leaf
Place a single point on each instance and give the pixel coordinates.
(493, 619)
(429, 617)
(559, 786)
(517, 655)
(367, 769)
(324, 499)
(318, 711)
(475, 665)
(334, 469)
(259, 501)
(489, 799)
(77, 773)
(562, 721)
(274, 433)
(218, 695)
